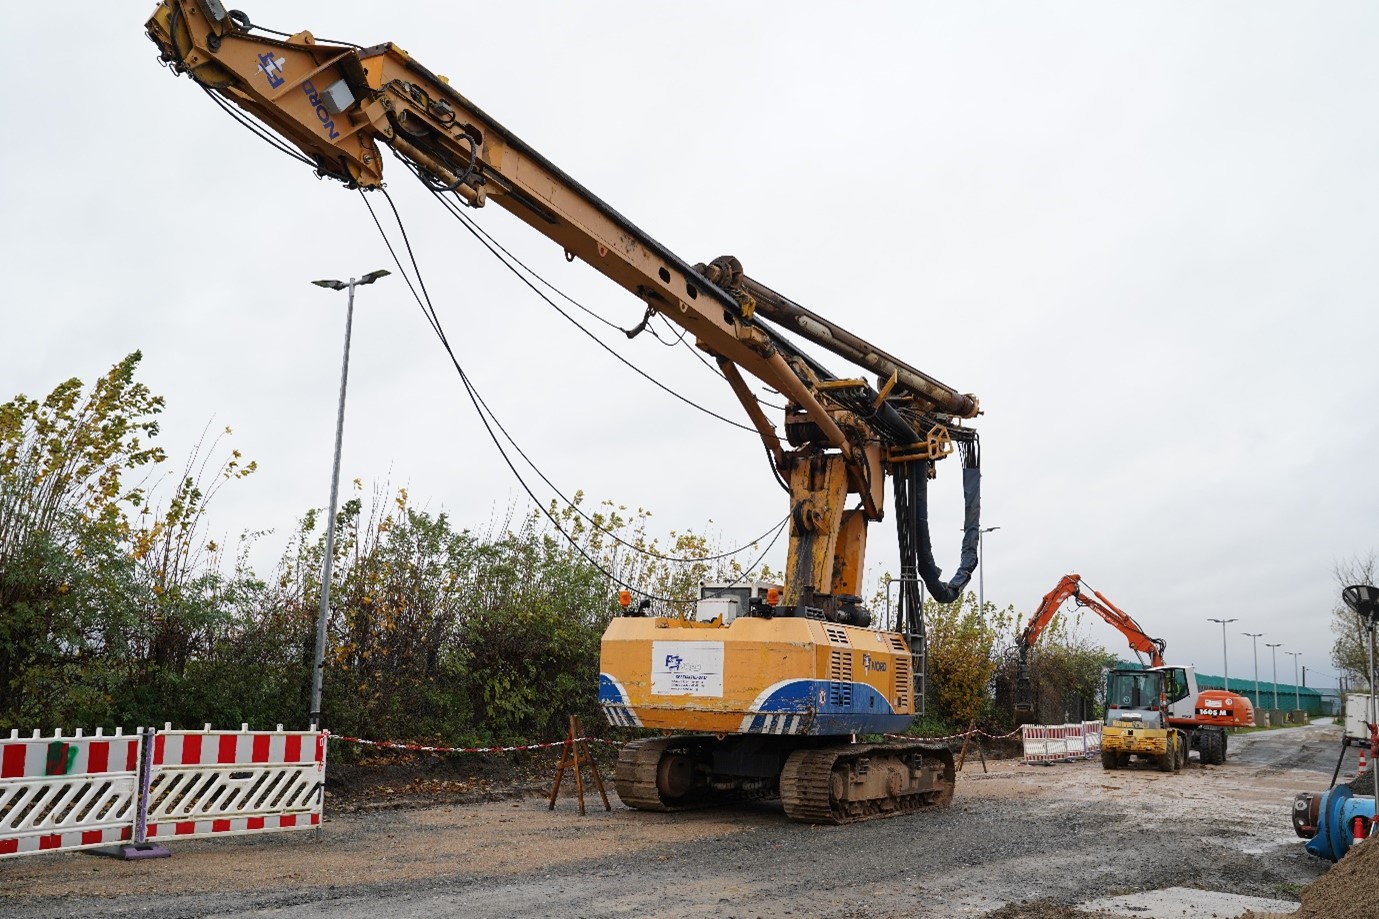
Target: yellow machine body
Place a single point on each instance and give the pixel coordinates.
(755, 676)
(1126, 737)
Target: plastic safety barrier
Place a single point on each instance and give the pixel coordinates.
(67, 792)
(1060, 743)
(1092, 731)
(211, 783)
(76, 792)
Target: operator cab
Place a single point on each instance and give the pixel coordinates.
(1131, 689)
(1132, 694)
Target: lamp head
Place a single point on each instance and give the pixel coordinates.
(1363, 599)
(333, 285)
(373, 276)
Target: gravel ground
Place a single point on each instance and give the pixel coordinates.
(1019, 842)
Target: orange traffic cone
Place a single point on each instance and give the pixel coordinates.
(1363, 765)
(1357, 829)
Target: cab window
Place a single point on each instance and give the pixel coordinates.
(1176, 687)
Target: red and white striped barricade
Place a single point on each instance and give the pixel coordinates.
(1035, 739)
(1075, 738)
(67, 792)
(1055, 743)
(1092, 731)
(216, 783)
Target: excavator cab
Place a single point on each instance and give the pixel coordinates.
(1176, 686)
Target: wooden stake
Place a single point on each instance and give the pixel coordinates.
(569, 756)
(962, 756)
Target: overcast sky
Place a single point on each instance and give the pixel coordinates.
(1144, 235)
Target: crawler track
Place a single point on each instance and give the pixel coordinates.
(635, 778)
(833, 784)
(855, 782)
(675, 774)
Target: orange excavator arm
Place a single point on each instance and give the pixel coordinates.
(1071, 586)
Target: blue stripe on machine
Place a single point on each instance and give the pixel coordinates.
(806, 707)
(613, 699)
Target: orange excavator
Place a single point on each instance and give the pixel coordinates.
(1071, 587)
(1155, 713)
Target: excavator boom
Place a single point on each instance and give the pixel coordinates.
(1071, 586)
(339, 104)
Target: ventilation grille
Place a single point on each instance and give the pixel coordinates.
(840, 678)
(898, 644)
(902, 684)
(836, 635)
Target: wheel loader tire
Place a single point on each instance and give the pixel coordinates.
(1182, 752)
(1109, 760)
(1170, 757)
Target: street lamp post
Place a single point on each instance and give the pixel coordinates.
(1363, 599)
(329, 568)
(1297, 702)
(1225, 667)
(981, 568)
(1255, 637)
(1275, 648)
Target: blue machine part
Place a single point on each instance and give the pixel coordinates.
(823, 707)
(613, 699)
(1336, 814)
(789, 707)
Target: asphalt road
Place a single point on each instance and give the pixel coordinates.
(1067, 834)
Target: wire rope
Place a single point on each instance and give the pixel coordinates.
(490, 421)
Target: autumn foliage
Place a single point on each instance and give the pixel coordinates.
(116, 610)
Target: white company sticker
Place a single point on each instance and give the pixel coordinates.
(687, 668)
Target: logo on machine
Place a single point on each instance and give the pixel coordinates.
(272, 68)
(314, 98)
(674, 661)
(869, 665)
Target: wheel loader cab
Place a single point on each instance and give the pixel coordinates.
(1132, 689)
(1134, 695)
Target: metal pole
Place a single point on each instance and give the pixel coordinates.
(1275, 648)
(328, 569)
(1255, 636)
(981, 568)
(1297, 702)
(1371, 708)
(1225, 667)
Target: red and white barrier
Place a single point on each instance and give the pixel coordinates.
(67, 792)
(1092, 731)
(212, 783)
(1060, 743)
